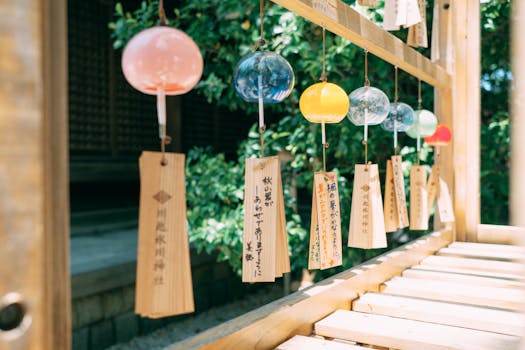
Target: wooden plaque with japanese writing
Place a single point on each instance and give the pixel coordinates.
(164, 285)
(417, 34)
(432, 187)
(282, 262)
(260, 219)
(390, 207)
(401, 199)
(367, 225)
(444, 203)
(418, 198)
(326, 194)
(314, 254)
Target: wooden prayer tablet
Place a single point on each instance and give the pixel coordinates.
(399, 183)
(444, 203)
(418, 198)
(325, 233)
(164, 285)
(417, 34)
(432, 187)
(390, 206)
(265, 243)
(368, 3)
(367, 224)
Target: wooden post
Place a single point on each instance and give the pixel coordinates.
(459, 108)
(34, 201)
(517, 162)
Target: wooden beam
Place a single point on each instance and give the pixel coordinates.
(34, 203)
(468, 271)
(481, 254)
(501, 234)
(399, 333)
(517, 158)
(466, 124)
(474, 264)
(276, 322)
(451, 314)
(341, 19)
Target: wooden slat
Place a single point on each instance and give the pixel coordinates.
(481, 254)
(341, 19)
(504, 235)
(463, 278)
(474, 264)
(511, 299)
(480, 318)
(276, 322)
(504, 248)
(405, 334)
(300, 342)
(34, 201)
(470, 272)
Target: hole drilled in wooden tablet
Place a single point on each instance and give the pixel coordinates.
(446, 6)
(11, 316)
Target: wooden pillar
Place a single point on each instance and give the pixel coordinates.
(34, 185)
(517, 162)
(459, 108)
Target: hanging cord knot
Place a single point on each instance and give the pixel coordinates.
(166, 140)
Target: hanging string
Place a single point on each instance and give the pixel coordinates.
(323, 74)
(260, 43)
(162, 14)
(396, 99)
(325, 145)
(367, 84)
(166, 140)
(419, 106)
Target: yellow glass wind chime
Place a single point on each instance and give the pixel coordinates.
(368, 106)
(324, 103)
(263, 77)
(399, 119)
(164, 285)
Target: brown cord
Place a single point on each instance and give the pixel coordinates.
(365, 143)
(323, 73)
(262, 129)
(162, 14)
(367, 81)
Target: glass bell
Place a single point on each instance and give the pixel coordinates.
(401, 115)
(324, 103)
(425, 123)
(268, 71)
(369, 101)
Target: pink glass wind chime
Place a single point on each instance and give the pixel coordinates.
(162, 61)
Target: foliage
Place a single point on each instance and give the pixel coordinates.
(226, 30)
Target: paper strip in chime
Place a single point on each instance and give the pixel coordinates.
(444, 203)
(164, 285)
(417, 34)
(325, 231)
(368, 3)
(400, 13)
(265, 244)
(367, 227)
(432, 186)
(418, 198)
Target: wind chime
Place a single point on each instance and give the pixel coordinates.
(368, 106)
(436, 186)
(324, 103)
(263, 77)
(400, 118)
(425, 124)
(162, 61)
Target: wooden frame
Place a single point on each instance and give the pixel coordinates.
(341, 19)
(34, 205)
(272, 324)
